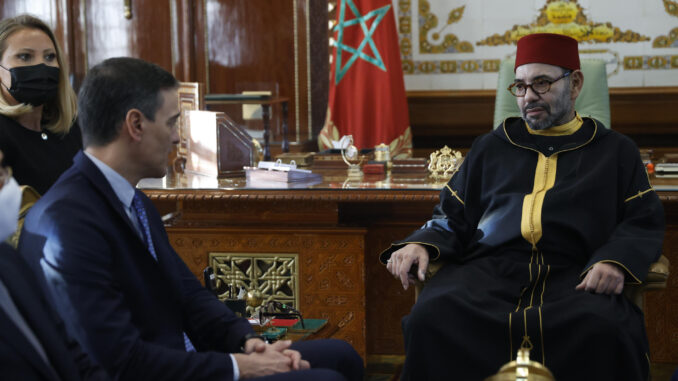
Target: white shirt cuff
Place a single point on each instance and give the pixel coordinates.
(236, 370)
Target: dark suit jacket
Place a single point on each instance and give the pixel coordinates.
(126, 309)
(18, 358)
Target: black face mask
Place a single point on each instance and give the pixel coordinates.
(35, 84)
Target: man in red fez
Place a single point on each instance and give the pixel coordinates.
(534, 239)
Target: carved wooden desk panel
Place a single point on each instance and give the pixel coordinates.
(338, 234)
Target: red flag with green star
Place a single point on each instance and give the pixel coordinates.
(367, 92)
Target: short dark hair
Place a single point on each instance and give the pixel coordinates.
(111, 89)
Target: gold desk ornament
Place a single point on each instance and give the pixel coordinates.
(350, 154)
(258, 151)
(444, 163)
(522, 369)
(253, 298)
(382, 153)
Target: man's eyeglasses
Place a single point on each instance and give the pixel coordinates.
(539, 86)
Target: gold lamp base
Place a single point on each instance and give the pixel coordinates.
(522, 369)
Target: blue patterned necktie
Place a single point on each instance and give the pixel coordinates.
(138, 206)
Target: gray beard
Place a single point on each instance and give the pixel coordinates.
(558, 117)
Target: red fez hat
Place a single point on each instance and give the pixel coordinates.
(548, 48)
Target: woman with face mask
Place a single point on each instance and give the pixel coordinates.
(37, 103)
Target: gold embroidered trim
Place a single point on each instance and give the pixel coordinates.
(568, 128)
(543, 287)
(640, 194)
(454, 194)
(510, 336)
(421, 243)
(534, 288)
(533, 203)
(595, 130)
(635, 278)
(541, 334)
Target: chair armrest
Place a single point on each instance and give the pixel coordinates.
(657, 276)
(432, 269)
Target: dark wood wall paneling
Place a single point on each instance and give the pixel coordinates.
(320, 77)
(259, 45)
(230, 45)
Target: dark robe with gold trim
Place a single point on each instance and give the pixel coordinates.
(516, 229)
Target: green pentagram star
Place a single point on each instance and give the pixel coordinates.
(358, 53)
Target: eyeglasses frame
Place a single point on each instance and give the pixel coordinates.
(549, 81)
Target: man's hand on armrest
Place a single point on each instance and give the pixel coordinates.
(403, 259)
(603, 278)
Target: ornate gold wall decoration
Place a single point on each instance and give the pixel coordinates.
(412, 66)
(405, 46)
(651, 62)
(565, 17)
(450, 42)
(671, 7)
(450, 66)
(275, 276)
(670, 40)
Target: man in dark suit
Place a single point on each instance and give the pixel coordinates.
(33, 341)
(122, 290)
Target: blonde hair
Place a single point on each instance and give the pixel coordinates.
(59, 113)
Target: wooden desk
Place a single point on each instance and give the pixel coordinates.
(338, 228)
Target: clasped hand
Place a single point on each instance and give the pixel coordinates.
(262, 359)
(603, 278)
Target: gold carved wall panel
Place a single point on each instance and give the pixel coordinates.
(274, 276)
(320, 271)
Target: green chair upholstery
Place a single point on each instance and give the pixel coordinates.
(593, 101)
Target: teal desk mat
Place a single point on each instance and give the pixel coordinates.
(274, 333)
(310, 325)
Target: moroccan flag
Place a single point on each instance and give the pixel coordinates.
(367, 93)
